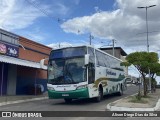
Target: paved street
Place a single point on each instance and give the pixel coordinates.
(76, 105)
(60, 105)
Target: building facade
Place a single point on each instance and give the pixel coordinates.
(118, 52)
(20, 71)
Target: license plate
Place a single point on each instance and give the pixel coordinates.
(65, 94)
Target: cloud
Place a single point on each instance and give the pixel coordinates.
(133, 71)
(97, 9)
(123, 24)
(35, 34)
(60, 45)
(60, 9)
(35, 37)
(65, 44)
(17, 14)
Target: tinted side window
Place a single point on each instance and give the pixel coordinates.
(91, 73)
(92, 55)
(100, 57)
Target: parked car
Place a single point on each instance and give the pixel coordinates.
(129, 81)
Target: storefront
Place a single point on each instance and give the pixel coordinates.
(3, 79)
(20, 71)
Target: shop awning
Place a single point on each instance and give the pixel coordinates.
(21, 62)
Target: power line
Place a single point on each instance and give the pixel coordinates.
(146, 32)
(34, 4)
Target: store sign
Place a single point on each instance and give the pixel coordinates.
(3, 49)
(9, 50)
(12, 51)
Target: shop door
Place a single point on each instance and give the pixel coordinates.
(3, 78)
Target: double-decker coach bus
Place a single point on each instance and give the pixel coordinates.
(83, 72)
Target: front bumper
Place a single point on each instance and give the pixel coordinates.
(74, 94)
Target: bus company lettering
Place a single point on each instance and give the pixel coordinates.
(108, 72)
(63, 86)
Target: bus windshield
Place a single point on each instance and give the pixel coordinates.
(66, 71)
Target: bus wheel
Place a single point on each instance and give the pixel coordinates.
(120, 90)
(68, 100)
(100, 95)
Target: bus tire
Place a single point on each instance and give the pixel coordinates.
(100, 95)
(120, 93)
(67, 100)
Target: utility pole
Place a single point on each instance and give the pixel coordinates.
(90, 39)
(113, 40)
(146, 7)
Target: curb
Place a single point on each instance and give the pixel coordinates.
(21, 101)
(115, 108)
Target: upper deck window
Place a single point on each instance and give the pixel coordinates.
(68, 52)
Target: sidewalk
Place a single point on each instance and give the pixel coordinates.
(5, 100)
(151, 103)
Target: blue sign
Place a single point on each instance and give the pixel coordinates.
(12, 51)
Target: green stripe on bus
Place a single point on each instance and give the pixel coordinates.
(81, 93)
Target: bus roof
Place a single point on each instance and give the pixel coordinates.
(90, 47)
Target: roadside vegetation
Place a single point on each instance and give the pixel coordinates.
(145, 62)
(137, 99)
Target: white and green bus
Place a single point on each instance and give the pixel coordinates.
(83, 72)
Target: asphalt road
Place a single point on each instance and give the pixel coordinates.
(60, 105)
(76, 105)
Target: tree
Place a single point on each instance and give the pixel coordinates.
(154, 71)
(143, 61)
(154, 67)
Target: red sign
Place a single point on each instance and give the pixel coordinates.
(3, 49)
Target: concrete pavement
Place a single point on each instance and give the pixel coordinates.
(5, 100)
(151, 103)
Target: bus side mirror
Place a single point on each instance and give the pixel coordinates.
(86, 59)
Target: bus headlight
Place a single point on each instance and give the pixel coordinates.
(81, 87)
(50, 88)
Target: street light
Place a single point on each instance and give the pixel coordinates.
(146, 7)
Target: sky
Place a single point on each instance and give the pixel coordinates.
(71, 22)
